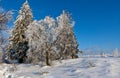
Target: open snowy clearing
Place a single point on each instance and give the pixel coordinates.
(73, 68)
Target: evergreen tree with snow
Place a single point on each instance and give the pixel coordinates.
(18, 45)
(67, 44)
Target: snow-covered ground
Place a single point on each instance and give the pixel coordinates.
(73, 68)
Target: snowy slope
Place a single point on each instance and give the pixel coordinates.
(74, 68)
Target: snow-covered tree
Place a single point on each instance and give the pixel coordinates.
(67, 42)
(41, 37)
(5, 17)
(18, 45)
(116, 53)
(51, 39)
(34, 37)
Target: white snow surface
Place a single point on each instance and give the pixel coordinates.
(73, 68)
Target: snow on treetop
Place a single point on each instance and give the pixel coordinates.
(25, 9)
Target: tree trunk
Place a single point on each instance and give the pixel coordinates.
(47, 59)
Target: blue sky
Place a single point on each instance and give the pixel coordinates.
(97, 21)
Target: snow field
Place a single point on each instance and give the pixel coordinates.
(73, 68)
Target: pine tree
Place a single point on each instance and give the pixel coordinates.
(67, 44)
(18, 45)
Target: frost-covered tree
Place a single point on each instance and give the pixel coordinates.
(5, 17)
(51, 39)
(116, 53)
(18, 45)
(67, 43)
(35, 42)
(41, 37)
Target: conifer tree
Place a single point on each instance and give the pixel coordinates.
(18, 45)
(67, 44)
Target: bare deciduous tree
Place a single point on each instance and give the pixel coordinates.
(5, 17)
